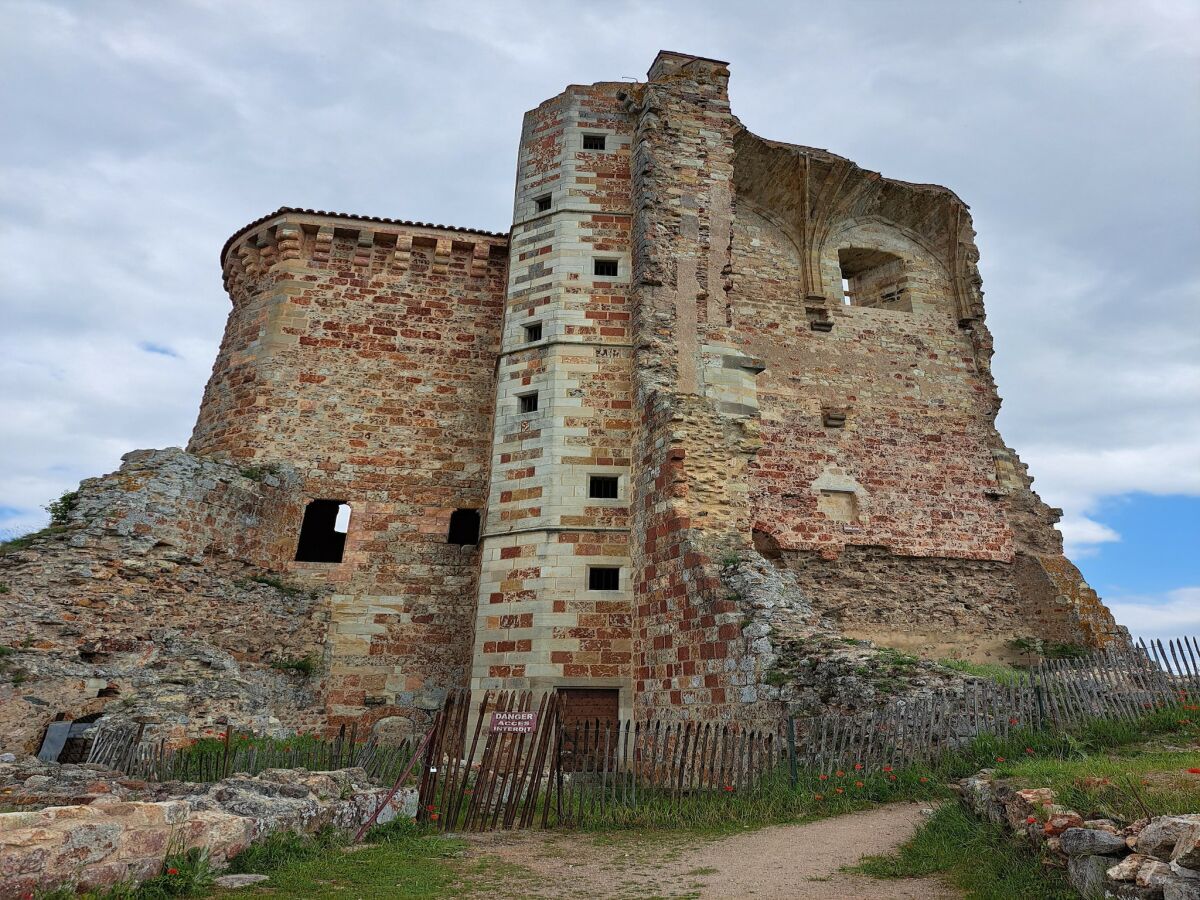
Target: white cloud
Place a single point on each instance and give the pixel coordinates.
(144, 134)
(1173, 614)
(1081, 535)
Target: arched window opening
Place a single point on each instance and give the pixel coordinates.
(323, 531)
(464, 527)
(873, 278)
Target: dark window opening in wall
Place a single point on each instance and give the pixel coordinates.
(604, 578)
(606, 267)
(464, 527)
(528, 402)
(593, 142)
(873, 278)
(602, 487)
(533, 332)
(542, 203)
(323, 532)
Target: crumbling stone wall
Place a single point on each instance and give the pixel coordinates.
(144, 607)
(363, 353)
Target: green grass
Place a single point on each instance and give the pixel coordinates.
(976, 856)
(298, 665)
(997, 672)
(399, 859)
(1120, 785)
(27, 540)
(774, 801)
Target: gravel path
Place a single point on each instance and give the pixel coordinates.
(792, 861)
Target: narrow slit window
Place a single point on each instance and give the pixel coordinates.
(323, 532)
(528, 402)
(464, 527)
(604, 578)
(542, 203)
(593, 142)
(533, 332)
(605, 267)
(602, 487)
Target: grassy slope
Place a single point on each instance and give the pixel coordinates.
(1124, 782)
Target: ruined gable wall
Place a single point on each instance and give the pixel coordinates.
(363, 354)
(905, 516)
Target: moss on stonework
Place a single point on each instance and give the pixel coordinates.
(303, 665)
(277, 583)
(258, 473)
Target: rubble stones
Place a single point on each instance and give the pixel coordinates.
(1095, 850)
(1087, 875)
(1088, 841)
(113, 839)
(1158, 839)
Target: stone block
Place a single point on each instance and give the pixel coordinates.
(1159, 837)
(1090, 841)
(1087, 875)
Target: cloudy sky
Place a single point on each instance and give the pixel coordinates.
(139, 135)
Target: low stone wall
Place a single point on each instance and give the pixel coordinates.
(1150, 859)
(111, 839)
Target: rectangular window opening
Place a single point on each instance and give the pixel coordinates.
(593, 142)
(533, 332)
(528, 402)
(604, 578)
(605, 267)
(603, 487)
(542, 203)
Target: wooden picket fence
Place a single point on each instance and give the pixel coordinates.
(1058, 695)
(556, 774)
(121, 747)
(476, 774)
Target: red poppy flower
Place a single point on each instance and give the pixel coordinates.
(1194, 771)
(172, 871)
(923, 779)
(999, 759)
(858, 784)
(729, 787)
(839, 791)
(818, 796)
(433, 816)
(858, 767)
(1031, 819)
(891, 778)
(887, 768)
(1029, 750)
(839, 773)
(823, 777)
(429, 809)
(1014, 721)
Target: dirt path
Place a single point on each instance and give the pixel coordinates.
(792, 861)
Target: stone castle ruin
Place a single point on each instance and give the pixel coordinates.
(709, 427)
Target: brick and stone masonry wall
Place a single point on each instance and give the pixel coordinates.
(363, 353)
(771, 407)
(538, 623)
(895, 513)
(695, 397)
